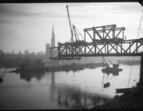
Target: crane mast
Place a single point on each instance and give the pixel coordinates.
(69, 23)
(110, 62)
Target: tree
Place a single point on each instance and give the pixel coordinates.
(26, 52)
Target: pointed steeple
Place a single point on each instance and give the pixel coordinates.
(53, 37)
(52, 41)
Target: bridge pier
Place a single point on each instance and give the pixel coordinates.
(141, 71)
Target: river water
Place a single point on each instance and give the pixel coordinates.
(54, 90)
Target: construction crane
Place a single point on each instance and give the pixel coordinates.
(105, 62)
(70, 23)
(74, 31)
(114, 65)
(110, 62)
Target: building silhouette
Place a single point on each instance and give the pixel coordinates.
(47, 50)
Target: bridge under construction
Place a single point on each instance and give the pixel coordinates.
(107, 40)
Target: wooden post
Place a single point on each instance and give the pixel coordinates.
(141, 71)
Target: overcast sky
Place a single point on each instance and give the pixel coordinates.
(29, 25)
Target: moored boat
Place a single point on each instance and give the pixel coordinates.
(111, 70)
(114, 69)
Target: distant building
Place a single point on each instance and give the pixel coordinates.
(52, 42)
(47, 50)
(13, 52)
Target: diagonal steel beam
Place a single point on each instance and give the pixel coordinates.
(62, 50)
(118, 33)
(98, 34)
(80, 49)
(129, 47)
(90, 50)
(107, 34)
(113, 47)
(137, 47)
(121, 47)
(101, 48)
(89, 35)
(72, 50)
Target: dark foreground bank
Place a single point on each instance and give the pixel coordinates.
(132, 99)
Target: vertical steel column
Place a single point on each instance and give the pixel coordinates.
(113, 32)
(116, 47)
(95, 48)
(85, 41)
(121, 48)
(94, 41)
(93, 34)
(129, 48)
(141, 71)
(103, 31)
(107, 48)
(75, 49)
(59, 54)
(66, 49)
(123, 34)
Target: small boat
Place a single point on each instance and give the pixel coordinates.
(115, 69)
(111, 70)
(1, 80)
(106, 85)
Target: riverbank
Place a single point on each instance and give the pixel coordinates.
(67, 68)
(74, 67)
(130, 100)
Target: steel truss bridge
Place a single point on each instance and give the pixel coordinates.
(108, 40)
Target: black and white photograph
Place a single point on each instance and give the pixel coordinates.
(71, 55)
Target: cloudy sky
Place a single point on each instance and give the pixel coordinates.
(29, 25)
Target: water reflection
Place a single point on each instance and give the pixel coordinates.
(113, 73)
(29, 75)
(107, 76)
(72, 90)
(53, 86)
(74, 98)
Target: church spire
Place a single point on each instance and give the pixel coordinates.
(53, 37)
(52, 41)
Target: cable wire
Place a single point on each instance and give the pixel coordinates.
(137, 38)
(131, 71)
(140, 24)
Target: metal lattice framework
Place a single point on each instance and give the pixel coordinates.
(108, 40)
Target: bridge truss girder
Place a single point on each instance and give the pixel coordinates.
(107, 40)
(104, 48)
(104, 32)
